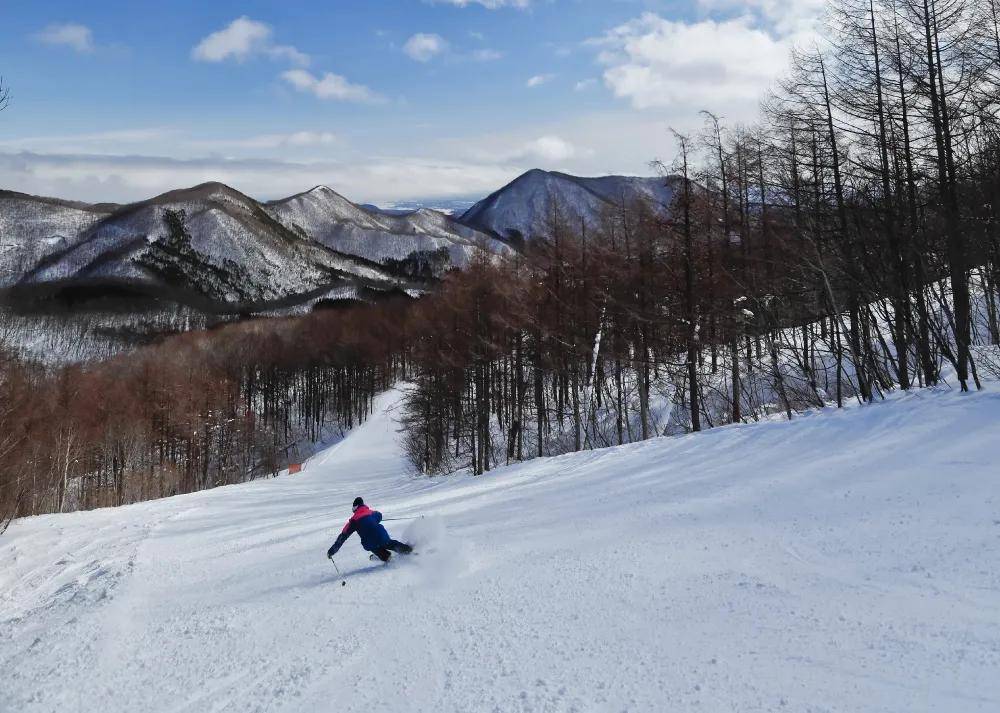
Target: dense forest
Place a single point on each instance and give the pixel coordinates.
(199, 410)
(846, 245)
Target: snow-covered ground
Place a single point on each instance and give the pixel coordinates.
(844, 561)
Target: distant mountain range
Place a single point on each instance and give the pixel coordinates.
(374, 234)
(213, 247)
(448, 206)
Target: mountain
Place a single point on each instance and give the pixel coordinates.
(215, 248)
(212, 246)
(522, 208)
(208, 244)
(32, 228)
(448, 206)
(378, 235)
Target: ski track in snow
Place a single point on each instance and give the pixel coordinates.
(841, 562)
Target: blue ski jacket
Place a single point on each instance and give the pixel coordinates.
(368, 524)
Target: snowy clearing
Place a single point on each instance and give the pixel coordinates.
(845, 561)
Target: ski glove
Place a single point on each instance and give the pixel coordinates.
(335, 547)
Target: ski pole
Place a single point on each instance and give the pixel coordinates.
(394, 519)
(343, 582)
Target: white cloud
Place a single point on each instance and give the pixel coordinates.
(654, 62)
(129, 178)
(623, 141)
(584, 84)
(77, 37)
(519, 151)
(239, 40)
(538, 80)
(168, 140)
(93, 141)
(423, 47)
(490, 4)
(787, 17)
(298, 138)
(330, 86)
(244, 38)
(289, 53)
(487, 55)
(295, 139)
(550, 148)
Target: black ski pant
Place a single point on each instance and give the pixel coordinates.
(401, 547)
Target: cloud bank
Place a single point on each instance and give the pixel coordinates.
(78, 38)
(423, 47)
(330, 86)
(242, 39)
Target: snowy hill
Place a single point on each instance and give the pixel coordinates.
(844, 561)
(237, 252)
(522, 208)
(325, 216)
(33, 227)
(245, 254)
(224, 250)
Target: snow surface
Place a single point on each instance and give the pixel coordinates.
(843, 561)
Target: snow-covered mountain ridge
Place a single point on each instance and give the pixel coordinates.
(327, 217)
(524, 207)
(211, 244)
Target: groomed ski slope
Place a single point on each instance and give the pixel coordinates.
(846, 561)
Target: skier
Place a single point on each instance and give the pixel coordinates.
(368, 524)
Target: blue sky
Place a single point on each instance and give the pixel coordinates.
(382, 100)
